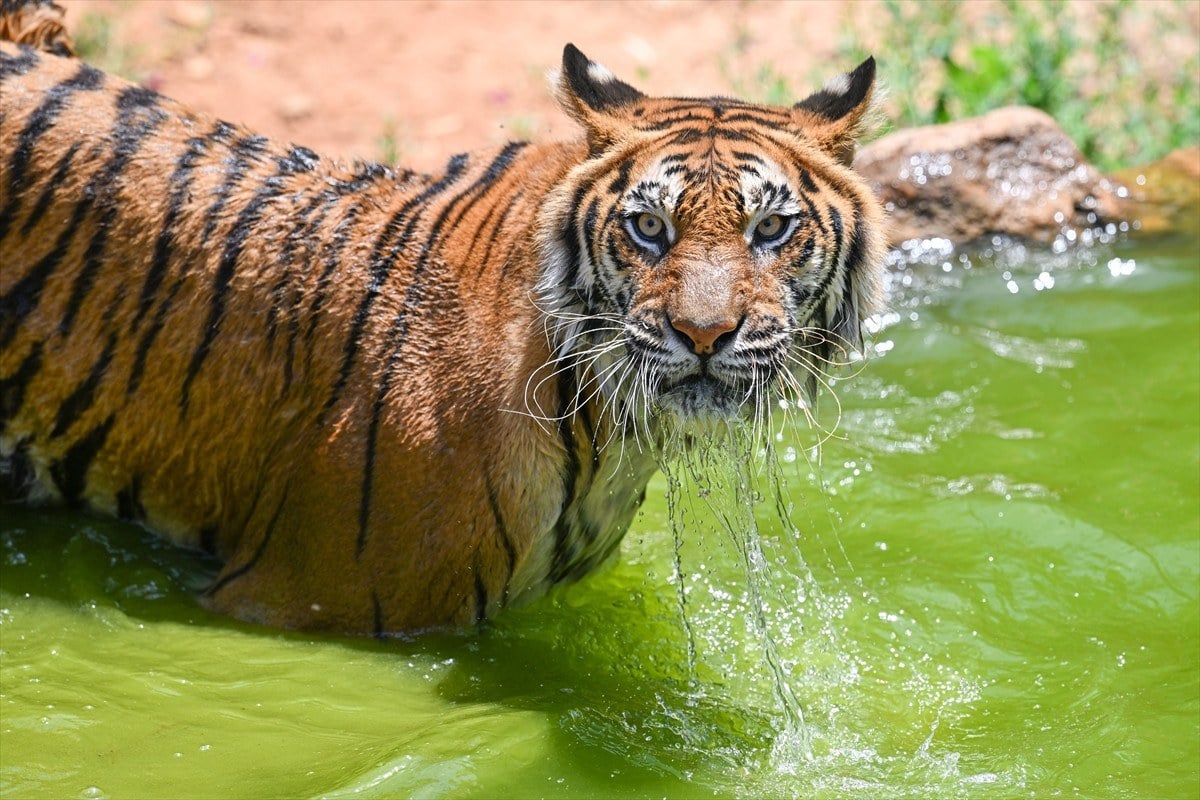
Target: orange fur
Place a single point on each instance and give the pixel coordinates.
(392, 401)
(37, 23)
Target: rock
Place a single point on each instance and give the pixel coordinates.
(1012, 171)
(1165, 195)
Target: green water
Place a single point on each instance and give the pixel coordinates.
(988, 586)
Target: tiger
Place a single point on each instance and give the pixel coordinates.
(390, 402)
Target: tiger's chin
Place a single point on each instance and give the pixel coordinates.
(704, 404)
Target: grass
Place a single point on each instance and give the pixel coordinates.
(97, 43)
(1078, 62)
(103, 40)
(1086, 64)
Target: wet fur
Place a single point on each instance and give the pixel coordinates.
(374, 394)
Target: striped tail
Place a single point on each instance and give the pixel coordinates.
(37, 23)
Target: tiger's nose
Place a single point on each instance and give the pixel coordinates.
(705, 339)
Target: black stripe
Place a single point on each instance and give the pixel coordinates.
(686, 136)
(382, 259)
(570, 239)
(233, 575)
(299, 159)
(566, 432)
(753, 158)
(321, 292)
(137, 117)
(475, 191)
(614, 255)
(286, 260)
(25, 60)
(41, 120)
(245, 151)
(663, 123)
(129, 501)
(413, 298)
(302, 230)
(25, 295)
(377, 609)
(724, 103)
(17, 474)
(240, 151)
(13, 388)
(501, 533)
(149, 336)
(180, 184)
(807, 183)
(563, 545)
(588, 231)
(496, 236)
(838, 229)
(811, 212)
(481, 596)
(754, 118)
(821, 352)
(43, 201)
(208, 539)
(486, 227)
(796, 273)
(589, 431)
(732, 135)
(161, 261)
(70, 472)
(84, 395)
(852, 262)
(590, 218)
(621, 181)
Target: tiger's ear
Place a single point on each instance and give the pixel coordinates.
(836, 115)
(594, 97)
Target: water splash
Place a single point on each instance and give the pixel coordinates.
(718, 474)
(765, 624)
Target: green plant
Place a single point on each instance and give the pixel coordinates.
(1076, 61)
(521, 127)
(97, 42)
(387, 144)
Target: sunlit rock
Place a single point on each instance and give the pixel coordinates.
(1012, 171)
(1165, 195)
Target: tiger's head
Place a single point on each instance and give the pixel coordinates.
(709, 257)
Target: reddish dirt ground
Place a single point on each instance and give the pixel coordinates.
(339, 76)
(421, 79)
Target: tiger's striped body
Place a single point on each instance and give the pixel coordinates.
(393, 401)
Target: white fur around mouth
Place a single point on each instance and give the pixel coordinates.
(701, 396)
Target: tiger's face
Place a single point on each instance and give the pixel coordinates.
(710, 257)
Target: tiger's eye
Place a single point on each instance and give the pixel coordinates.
(649, 225)
(769, 227)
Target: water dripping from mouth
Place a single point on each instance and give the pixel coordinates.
(718, 474)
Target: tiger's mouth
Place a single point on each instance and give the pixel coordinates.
(703, 396)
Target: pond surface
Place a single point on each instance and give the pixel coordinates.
(986, 585)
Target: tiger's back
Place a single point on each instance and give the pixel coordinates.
(392, 401)
(167, 345)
